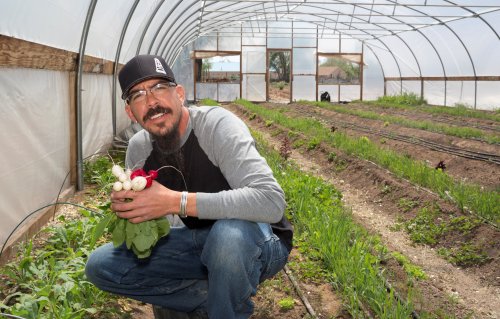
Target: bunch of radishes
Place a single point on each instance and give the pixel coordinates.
(140, 237)
(135, 180)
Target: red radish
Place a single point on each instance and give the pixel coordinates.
(136, 180)
(153, 173)
(138, 172)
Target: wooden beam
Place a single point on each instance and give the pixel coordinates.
(16, 53)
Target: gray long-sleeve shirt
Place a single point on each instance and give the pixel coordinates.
(255, 194)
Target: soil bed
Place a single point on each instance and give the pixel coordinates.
(449, 289)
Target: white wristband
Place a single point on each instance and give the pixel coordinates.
(182, 211)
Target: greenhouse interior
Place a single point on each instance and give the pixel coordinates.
(380, 120)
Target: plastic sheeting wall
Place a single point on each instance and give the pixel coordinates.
(35, 141)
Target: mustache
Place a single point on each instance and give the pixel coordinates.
(154, 111)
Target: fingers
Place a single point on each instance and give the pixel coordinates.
(132, 217)
(122, 196)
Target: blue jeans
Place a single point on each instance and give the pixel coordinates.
(215, 269)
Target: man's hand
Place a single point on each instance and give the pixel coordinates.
(150, 203)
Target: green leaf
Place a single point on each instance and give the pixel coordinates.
(119, 232)
(99, 229)
(144, 242)
(141, 254)
(163, 227)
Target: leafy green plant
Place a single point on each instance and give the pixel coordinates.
(98, 171)
(139, 237)
(466, 255)
(423, 228)
(287, 303)
(411, 270)
(402, 99)
(313, 143)
(209, 102)
(49, 282)
(406, 204)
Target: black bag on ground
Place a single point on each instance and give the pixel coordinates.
(325, 96)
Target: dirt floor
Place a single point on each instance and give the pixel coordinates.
(459, 292)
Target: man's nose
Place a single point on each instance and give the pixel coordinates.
(151, 100)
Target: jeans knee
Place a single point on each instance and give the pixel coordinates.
(92, 267)
(230, 245)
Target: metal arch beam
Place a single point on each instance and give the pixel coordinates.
(117, 58)
(175, 44)
(153, 40)
(388, 50)
(471, 62)
(178, 34)
(378, 60)
(395, 60)
(176, 40)
(360, 5)
(191, 36)
(160, 46)
(414, 57)
(478, 16)
(440, 61)
(465, 48)
(79, 135)
(146, 27)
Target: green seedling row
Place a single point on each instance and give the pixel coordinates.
(317, 213)
(462, 132)
(468, 197)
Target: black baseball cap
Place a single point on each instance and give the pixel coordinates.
(141, 68)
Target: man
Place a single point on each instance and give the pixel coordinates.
(235, 234)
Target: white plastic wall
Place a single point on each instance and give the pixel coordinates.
(35, 142)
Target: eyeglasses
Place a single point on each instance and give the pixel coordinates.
(159, 90)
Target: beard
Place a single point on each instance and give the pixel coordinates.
(169, 141)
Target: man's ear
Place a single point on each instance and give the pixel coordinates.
(181, 93)
(130, 114)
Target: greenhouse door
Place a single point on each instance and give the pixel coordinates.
(278, 76)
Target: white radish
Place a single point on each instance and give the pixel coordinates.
(117, 186)
(123, 177)
(127, 185)
(117, 170)
(128, 172)
(139, 183)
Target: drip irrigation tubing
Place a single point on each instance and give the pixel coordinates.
(460, 124)
(474, 155)
(492, 127)
(302, 296)
(469, 154)
(10, 316)
(36, 211)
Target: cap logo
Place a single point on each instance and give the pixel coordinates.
(159, 67)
